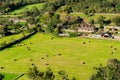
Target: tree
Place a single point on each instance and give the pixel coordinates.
(109, 72)
(91, 21)
(34, 74)
(63, 75)
(52, 24)
(1, 76)
(116, 20)
(118, 7)
(100, 20)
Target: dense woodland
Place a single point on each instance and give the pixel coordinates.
(86, 6)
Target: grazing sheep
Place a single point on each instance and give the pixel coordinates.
(89, 41)
(47, 55)
(112, 52)
(32, 64)
(111, 46)
(42, 57)
(83, 62)
(46, 64)
(15, 60)
(28, 48)
(20, 45)
(59, 54)
(115, 48)
(2, 67)
(31, 43)
(84, 43)
(31, 59)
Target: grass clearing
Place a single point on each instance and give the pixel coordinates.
(10, 76)
(10, 38)
(27, 7)
(73, 51)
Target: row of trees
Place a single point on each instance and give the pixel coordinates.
(35, 74)
(109, 72)
(86, 6)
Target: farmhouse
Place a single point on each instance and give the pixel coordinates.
(85, 28)
(15, 20)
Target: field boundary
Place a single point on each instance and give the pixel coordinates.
(17, 41)
(19, 76)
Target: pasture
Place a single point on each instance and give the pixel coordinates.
(27, 7)
(10, 38)
(77, 56)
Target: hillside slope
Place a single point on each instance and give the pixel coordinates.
(27, 7)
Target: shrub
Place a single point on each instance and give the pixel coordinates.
(34, 74)
(73, 34)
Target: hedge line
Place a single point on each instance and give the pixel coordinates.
(19, 77)
(17, 41)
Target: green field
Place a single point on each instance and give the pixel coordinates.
(10, 76)
(28, 7)
(74, 53)
(10, 38)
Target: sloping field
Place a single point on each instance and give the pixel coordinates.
(28, 7)
(40, 49)
(10, 38)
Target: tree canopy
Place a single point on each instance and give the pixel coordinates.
(109, 72)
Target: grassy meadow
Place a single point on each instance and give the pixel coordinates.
(19, 58)
(27, 7)
(10, 38)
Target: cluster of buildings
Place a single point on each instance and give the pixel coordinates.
(87, 29)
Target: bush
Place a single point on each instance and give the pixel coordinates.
(73, 34)
(34, 74)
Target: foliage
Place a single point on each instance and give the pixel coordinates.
(63, 75)
(73, 34)
(109, 72)
(116, 20)
(91, 21)
(34, 74)
(89, 6)
(1, 76)
(100, 20)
